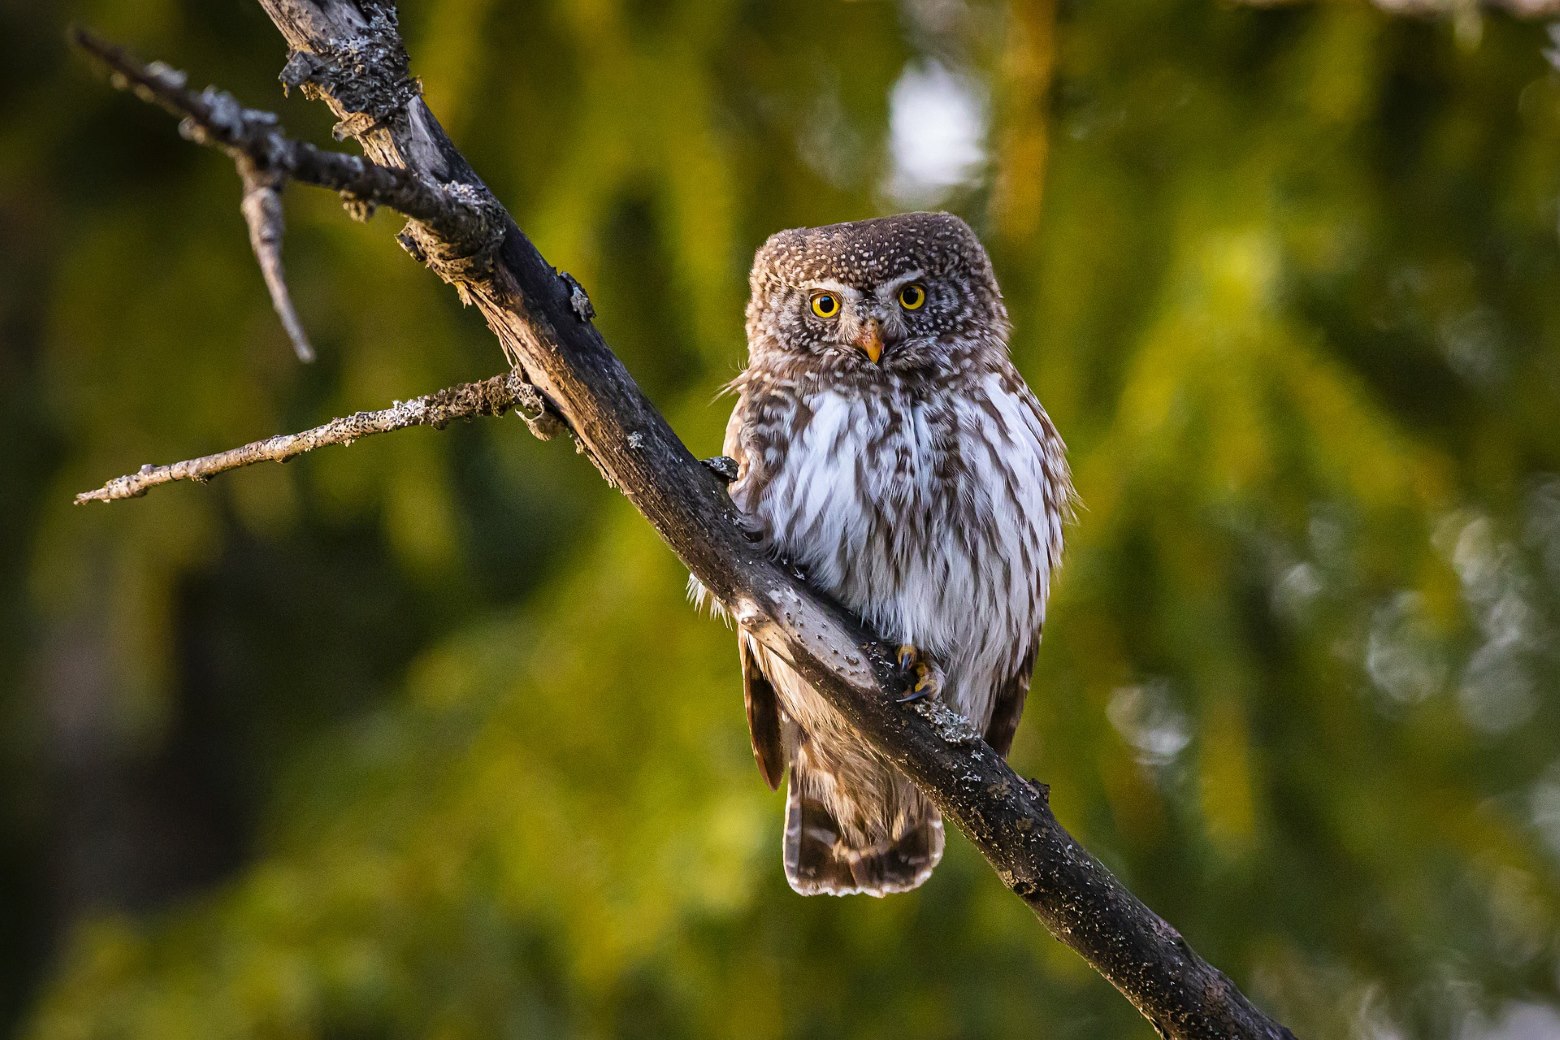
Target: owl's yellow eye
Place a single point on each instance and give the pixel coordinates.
(912, 297)
(825, 304)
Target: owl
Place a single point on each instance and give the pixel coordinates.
(888, 449)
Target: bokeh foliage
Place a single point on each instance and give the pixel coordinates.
(418, 738)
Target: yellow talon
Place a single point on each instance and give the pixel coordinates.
(928, 677)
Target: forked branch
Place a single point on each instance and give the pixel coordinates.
(349, 53)
(254, 137)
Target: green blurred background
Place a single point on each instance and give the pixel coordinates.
(418, 738)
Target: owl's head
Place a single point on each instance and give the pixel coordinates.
(899, 293)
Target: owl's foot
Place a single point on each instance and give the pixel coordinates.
(928, 677)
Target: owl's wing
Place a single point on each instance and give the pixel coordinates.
(1008, 704)
(763, 715)
(1056, 488)
(758, 694)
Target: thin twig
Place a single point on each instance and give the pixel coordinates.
(262, 209)
(1525, 9)
(493, 396)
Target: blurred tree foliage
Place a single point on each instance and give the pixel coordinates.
(419, 739)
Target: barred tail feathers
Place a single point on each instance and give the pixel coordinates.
(820, 861)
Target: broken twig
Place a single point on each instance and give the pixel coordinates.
(262, 209)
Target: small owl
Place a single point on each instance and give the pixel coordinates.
(887, 448)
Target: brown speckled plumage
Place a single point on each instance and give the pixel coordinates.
(926, 491)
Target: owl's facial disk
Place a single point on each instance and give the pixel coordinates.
(910, 295)
(874, 319)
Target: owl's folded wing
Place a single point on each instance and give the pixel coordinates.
(763, 709)
(1008, 703)
(763, 714)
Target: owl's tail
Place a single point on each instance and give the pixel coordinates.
(820, 861)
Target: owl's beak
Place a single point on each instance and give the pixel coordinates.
(870, 339)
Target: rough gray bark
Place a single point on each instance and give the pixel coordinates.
(349, 54)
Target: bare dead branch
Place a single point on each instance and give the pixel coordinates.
(349, 54)
(1430, 8)
(495, 395)
(216, 118)
(1445, 8)
(262, 209)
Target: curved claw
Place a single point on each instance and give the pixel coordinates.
(928, 677)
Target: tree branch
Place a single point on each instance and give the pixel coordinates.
(495, 395)
(1531, 9)
(349, 53)
(214, 117)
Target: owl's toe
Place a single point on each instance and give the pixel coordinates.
(928, 678)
